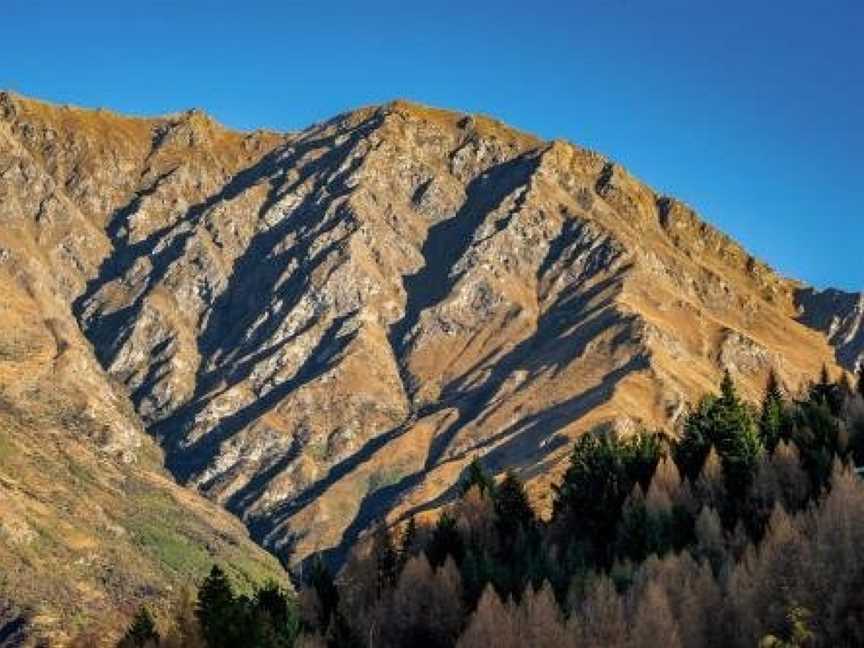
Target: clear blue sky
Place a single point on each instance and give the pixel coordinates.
(749, 111)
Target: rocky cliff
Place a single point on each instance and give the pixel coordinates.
(322, 328)
(91, 523)
(840, 316)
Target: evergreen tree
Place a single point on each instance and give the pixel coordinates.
(817, 435)
(728, 424)
(408, 543)
(827, 393)
(475, 475)
(321, 580)
(274, 618)
(772, 421)
(633, 539)
(142, 631)
(219, 612)
(386, 559)
(602, 472)
(445, 541)
(513, 513)
(697, 437)
(728, 393)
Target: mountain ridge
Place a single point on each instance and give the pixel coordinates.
(323, 327)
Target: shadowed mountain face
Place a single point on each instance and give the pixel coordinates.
(323, 328)
(840, 315)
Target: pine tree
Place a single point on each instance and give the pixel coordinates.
(475, 475)
(321, 580)
(602, 472)
(512, 511)
(696, 439)
(728, 424)
(386, 559)
(817, 433)
(408, 542)
(445, 541)
(827, 393)
(142, 632)
(728, 393)
(274, 618)
(634, 537)
(219, 612)
(771, 421)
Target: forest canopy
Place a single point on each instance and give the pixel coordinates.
(745, 530)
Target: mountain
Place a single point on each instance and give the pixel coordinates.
(840, 315)
(322, 328)
(91, 523)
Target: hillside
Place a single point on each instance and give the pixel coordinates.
(91, 524)
(323, 328)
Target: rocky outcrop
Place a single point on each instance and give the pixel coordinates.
(840, 316)
(322, 328)
(91, 524)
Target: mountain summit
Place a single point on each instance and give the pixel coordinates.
(323, 328)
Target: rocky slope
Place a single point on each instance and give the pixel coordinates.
(91, 524)
(322, 328)
(840, 315)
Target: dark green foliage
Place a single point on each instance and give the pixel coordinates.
(602, 472)
(513, 513)
(267, 620)
(827, 393)
(774, 422)
(634, 534)
(274, 618)
(321, 580)
(141, 632)
(728, 424)
(408, 544)
(697, 437)
(476, 573)
(386, 559)
(475, 475)
(642, 532)
(445, 541)
(613, 511)
(817, 435)
(218, 611)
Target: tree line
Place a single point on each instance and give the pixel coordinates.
(745, 530)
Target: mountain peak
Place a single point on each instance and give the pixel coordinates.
(323, 328)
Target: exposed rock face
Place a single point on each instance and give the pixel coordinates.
(840, 315)
(91, 524)
(323, 328)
